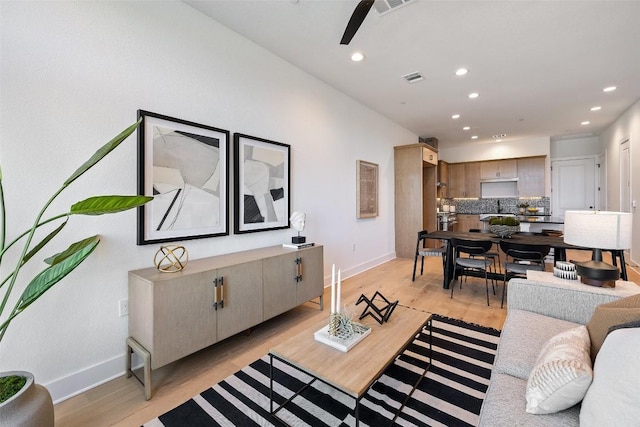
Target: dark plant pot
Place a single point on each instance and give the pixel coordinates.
(30, 407)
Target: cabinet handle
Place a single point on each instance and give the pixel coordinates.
(222, 292)
(298, 262)
(218, 293)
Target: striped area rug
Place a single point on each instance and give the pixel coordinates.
(450, 395)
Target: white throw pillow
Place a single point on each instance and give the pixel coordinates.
(562, 373)
(612, 399)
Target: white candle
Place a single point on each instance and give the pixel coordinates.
(338, 294)
(333, 290)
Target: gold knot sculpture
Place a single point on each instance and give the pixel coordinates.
(171, 258)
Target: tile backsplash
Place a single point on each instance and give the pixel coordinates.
(507, 205)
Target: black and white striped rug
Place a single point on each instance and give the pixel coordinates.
(450, 395)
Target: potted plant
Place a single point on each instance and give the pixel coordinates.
(22, 402)
(504, 226)
(522, 208)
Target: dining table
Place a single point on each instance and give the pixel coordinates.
(555, 242)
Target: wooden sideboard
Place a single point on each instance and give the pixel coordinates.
(172, 315)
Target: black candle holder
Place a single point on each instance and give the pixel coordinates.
(381, 314)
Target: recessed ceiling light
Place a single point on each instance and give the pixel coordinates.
(357, 56)
(596, 108)
(498, 140)
(474, 137)
(455, 116)
(461, 71)
(466, 128)
(474, 95)
(586, 122)
(609, 89)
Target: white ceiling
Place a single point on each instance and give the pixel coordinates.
(539, 66)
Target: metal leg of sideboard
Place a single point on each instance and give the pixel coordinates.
(134, 346)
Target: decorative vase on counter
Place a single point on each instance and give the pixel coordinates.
(30, 407)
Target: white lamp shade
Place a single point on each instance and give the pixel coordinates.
(598, 229)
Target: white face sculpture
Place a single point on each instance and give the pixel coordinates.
(297, 220)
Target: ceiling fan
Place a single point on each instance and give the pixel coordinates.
(360, 12)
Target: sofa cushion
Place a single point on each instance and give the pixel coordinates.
(610, 314)
(504, 405)
(523, 335)
(562, 373)
(612, 399)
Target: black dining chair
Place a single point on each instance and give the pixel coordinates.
(422, 251)
(493, 255)
(470, 255)
(523, 257)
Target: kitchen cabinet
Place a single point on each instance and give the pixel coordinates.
(443, 179)
(466, 222)
(499, 169)
(464, 180)
(531, 176)
(172, 315)
(415, 179)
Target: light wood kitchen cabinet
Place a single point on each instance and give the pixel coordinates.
(415, 195)
(466, 222)
(464, 180)
(531, 176)
(172, 315)
(443, 179)
(499, 169)
(472, 179)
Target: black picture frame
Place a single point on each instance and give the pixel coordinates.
(262, 170)
(185, 166)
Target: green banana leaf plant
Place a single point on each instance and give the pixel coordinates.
(63, 263)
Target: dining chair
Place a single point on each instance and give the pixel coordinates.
(422, 251)
(470, 255)
(523, 257)
(493, 255)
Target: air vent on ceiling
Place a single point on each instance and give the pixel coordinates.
(385, 6)
(413, 77)
(502, 135)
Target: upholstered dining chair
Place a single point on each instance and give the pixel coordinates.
(422, 251)
(520, 258)
(471, 255)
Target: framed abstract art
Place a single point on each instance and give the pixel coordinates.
(185, 166)
(261, 180)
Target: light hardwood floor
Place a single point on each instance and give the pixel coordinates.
(121, 402)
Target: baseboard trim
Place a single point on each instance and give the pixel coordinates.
(86, 379)
(357, 269)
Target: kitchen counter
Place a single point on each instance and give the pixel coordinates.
(533, 218)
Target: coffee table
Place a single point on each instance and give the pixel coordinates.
(355, 371)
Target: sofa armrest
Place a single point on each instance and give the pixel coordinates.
(566, 300)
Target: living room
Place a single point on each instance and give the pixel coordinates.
(75, 73)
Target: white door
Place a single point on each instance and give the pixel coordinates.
(625, 182)
(572, 185)
(625, 177)
(601, 184)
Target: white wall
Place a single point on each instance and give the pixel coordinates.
(576, 147)
(627, 126)
(73, 74)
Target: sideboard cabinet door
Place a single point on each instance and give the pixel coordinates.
(279, 283)
(242, 297)
(310, 284)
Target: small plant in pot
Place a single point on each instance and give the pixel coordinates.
(522, 207)
(504, 226)
(21, 400)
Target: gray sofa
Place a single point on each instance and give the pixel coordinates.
(536, 312)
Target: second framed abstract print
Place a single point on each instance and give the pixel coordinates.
(261, 172)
